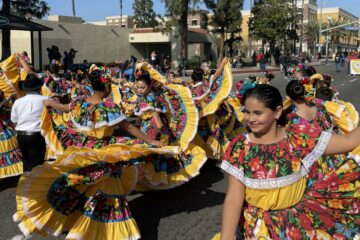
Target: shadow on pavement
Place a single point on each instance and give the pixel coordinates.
(9, 182)
(151, 207)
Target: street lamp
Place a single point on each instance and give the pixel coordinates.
(320, 23)
(327, 37)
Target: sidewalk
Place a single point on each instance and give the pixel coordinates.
(269, 68)
(246, 70)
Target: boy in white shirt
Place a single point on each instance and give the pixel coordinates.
(26, 114)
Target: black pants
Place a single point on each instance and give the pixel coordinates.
(33, 150)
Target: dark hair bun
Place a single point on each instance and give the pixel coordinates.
(94, 78)
(324, 93)
(295, 90)
(197, 74)
(94, 75)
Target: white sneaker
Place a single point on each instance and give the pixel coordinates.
(21, 237)
(18, 237)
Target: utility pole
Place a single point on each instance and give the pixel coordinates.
(250, 34)
(301, 27)
(328, 19)
(73, 8)
(121, 13)
(320, 26)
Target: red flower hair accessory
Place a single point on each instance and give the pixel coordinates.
(305, 80)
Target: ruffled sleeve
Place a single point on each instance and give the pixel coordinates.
(152, 102)
(234, 158)
(86, 116)
(344, 114)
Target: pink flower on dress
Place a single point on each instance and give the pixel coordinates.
(183, 118)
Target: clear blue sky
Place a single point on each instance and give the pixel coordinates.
(97, 10)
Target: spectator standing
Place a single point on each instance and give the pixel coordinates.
(342, 59)
(49, 54)
(56, 55)
(182, 65)
(254, 58)
(70, 58)
(26, 114)
(337, 62)
(262, 62)
(65, 61)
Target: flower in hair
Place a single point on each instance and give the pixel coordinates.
(243, 88)
(139, 73)
(305, 80)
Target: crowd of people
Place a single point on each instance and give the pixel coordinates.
(86, 139)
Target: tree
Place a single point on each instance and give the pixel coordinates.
(144, 15)
(271, 22)
(177, 11)
(312, 33)
(73, 8)
(24, 8)
(226, 19)
(350, 35)
(336, 34)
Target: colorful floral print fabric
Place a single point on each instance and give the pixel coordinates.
(330, 204)
(87, 116)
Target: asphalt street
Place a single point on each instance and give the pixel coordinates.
(191, 211)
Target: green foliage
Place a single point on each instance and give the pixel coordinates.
(226, 19)
(312, 31)
(227, 16)
(177, 12)
(29, 8)
(272, 21)
(144, 14)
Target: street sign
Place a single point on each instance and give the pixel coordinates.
(351, 28)
(3, 21)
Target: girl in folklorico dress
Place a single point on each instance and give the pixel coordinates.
(10, 153)
(267, 185)
(83, 192)
(168, 114)
(216, 109)
(88, 121)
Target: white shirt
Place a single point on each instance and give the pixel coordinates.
(26, 112)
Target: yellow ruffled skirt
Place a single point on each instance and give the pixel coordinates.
(80, 195)
(10, 154)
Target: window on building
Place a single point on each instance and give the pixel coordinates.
(194, 22)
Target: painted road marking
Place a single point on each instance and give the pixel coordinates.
(353, 80)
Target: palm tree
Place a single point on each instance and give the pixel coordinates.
(121, 12)
(178, 10)
(336, 34)
(312, 34)
(73, 8)
(350, 35)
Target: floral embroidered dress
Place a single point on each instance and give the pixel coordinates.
(86, 125)
(209, 96)
(322, 120)
(83, 192)
(63, 87)
(179, 116)
(152, 102)
(280, 203)
(10, 154)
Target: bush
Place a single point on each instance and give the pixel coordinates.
(194, 62)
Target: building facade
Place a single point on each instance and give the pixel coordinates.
(114, 21)
(340, 40)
